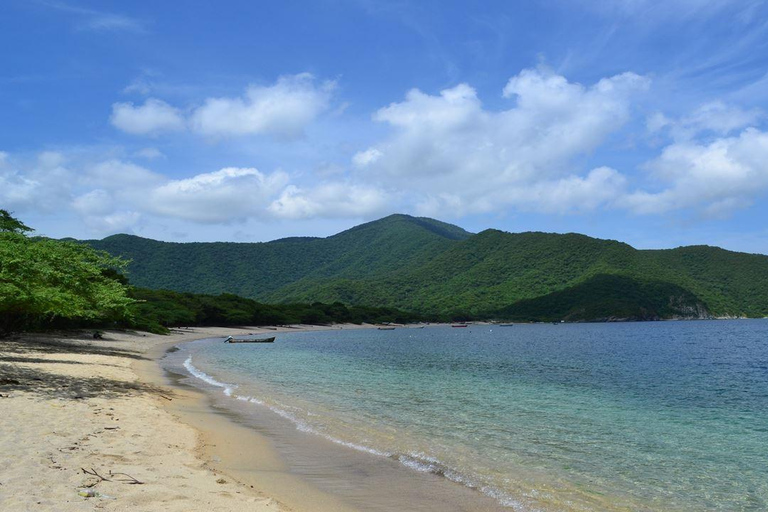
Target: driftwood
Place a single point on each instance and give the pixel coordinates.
(132, 481)
(92, 472)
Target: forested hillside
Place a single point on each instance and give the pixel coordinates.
(427, 266)
(256, 269)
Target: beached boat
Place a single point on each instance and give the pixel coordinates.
(230, 339)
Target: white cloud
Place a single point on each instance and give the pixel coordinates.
(220, 196)
(714, 178)
(16, 190)
(716, 118)
(50, 159)
(458, 157)
(112, 195)
(100, 21)
(330, 200)
(367, 157)
(282, 110)
(149, 153)
(42, 185)
(95, 202)
(119, 175)
(153, 117)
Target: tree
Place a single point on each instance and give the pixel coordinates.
(43, 281)
(8, 224)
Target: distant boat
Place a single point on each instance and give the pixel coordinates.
(230, 339)
(386, 328)
(505, 325)
(459, 325)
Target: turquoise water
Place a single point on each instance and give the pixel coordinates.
(635, 416)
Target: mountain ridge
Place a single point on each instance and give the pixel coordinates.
(422, 264)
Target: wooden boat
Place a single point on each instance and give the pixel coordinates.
(242, 340)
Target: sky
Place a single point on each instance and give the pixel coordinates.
(635, 120)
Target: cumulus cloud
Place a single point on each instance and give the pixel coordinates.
(112, 195)
(330, 200)
(41, 185)
(463, 158)
(119, 175)
(220, 196)
(97, 209)
(715, 178)
(283, 109)
(153, 117)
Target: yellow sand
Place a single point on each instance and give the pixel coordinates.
(70, 403)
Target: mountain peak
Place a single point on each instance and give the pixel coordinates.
(442, 229)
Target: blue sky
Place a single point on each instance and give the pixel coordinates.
(249, 121)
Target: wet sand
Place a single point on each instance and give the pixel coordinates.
(71, 403)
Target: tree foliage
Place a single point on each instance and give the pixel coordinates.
(156, 310)
(46, 282)
(9, 224)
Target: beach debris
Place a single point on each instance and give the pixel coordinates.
(221, 481)
(93, 472)
(93, 493)
(132, 481)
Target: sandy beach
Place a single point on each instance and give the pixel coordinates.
(83, 416)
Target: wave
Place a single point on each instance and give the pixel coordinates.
(416, 461)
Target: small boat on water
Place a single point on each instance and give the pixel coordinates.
(459, 325)
(386, 328)
(230, 339)
(505, 325)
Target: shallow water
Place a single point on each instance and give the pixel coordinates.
(635, 416)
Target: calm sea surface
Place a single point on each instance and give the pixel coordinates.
(633, 416)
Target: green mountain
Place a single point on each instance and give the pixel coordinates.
(428, 266)
(255, 270)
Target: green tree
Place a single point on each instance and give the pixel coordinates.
(46, 282)
(8, 224)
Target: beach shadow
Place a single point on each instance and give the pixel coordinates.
(19, 353)
(52, 385)
(74, 344)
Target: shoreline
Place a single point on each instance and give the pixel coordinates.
(73, 403)
(354, 477)
(80, 417)
(227, 446)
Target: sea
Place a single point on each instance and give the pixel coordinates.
(656, 416)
